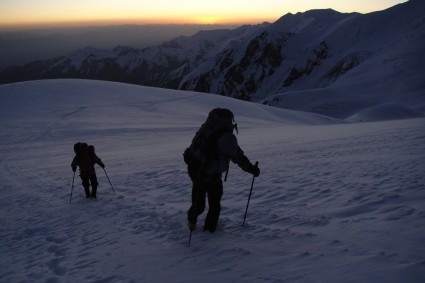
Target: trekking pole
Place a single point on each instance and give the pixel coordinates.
(190, 237)
(194, 206)
(227, 171)
(249, 197)
(72, 187)
(108, 180)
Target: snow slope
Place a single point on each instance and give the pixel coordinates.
(335, 202)
(369, 55)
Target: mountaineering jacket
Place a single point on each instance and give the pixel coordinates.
(227, 149)
(86, 162)
(213, 146)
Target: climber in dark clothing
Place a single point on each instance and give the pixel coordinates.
(213, 146)
(85, 158)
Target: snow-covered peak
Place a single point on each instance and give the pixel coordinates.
(315, 19)
(372, 59)
(77, 58)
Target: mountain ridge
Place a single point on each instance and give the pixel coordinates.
(315, 51)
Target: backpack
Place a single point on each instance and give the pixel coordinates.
(203, 146)
(91, 151)
(80, 148)
(83, 149)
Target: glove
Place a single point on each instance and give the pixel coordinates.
(102, 165)
(254, 170)
(74, 168)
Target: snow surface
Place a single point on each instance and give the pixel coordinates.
(335, 202)
(385, 50)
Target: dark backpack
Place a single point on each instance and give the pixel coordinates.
(91, 151)
(80, 148)
(83, 149)
(203, 146)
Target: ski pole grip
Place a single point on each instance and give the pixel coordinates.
(256, 164)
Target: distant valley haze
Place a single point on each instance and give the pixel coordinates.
(20, 47)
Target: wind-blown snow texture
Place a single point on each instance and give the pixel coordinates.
(335, 202)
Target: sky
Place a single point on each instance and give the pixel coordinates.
(46, 13)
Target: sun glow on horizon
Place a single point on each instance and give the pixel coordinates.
(43, 13)
(208, 20)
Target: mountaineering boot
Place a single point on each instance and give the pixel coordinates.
(87, 191)
(209, 228)
(212, 219)
(191, 226)
(93, 192)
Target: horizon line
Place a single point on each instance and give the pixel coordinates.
(129, 22)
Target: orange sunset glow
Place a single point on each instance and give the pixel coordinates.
(32, 13)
